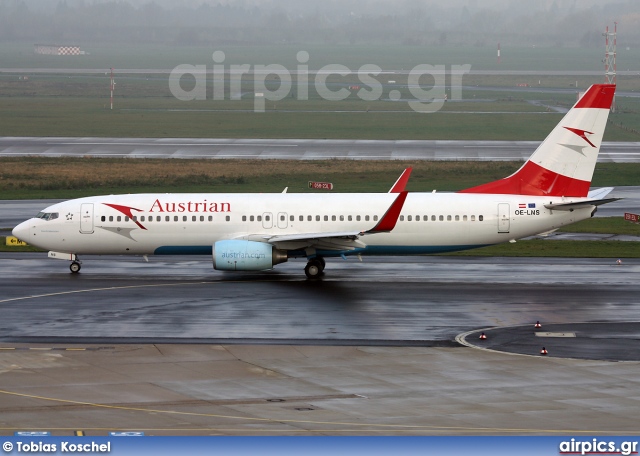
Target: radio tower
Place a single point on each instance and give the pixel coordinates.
(610, 59)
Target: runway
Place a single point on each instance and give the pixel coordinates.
(292, 149)
(172, 347)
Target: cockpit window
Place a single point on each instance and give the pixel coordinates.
(47, 215)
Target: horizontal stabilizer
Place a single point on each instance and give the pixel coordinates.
(579, 204)
(599, 193)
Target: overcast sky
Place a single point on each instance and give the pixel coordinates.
(411, 22)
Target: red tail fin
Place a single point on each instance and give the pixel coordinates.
(563, 164)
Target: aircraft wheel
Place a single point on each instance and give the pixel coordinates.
(322, 263)
(74, 267)
(313, 269)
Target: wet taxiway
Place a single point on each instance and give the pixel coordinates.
(398, 300)
(173, 347)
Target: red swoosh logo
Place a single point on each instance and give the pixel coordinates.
(126, 210)
(581, 133)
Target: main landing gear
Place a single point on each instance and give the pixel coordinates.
(75, 267)
(315, 267)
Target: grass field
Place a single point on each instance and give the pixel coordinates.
(78, 105)
(71, 177)
(355, 120)
(52, 104)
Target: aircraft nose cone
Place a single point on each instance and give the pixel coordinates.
(22, 231)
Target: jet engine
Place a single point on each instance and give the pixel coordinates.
(237, 255)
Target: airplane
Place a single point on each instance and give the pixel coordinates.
(255, 232)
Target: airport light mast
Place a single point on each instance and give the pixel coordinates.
(610, 59)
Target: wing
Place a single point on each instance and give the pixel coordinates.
(338, 240)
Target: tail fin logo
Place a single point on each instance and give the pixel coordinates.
(582, 134)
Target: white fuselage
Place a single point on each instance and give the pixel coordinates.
(192, 223)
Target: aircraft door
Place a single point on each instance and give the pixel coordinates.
(503, 218)
(267, 220)
(86, 218)
(282, 220)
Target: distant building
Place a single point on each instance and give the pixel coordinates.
(57, 49)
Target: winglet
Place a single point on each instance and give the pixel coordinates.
(390, 218)
(401, 183)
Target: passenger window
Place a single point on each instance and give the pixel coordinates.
(119, 218)
(251, 218)
(433, 218)
(301, 218)
(326, 218)
(457, 218)
(142, 218)
(417, 218)
(228, 218)
(333, 218)
(448, 218)
(408, 218)
(193, 218)
(158, 218)
(402, 218)
(309, 218)
(317, 218)
(184, 218)
(211, 218)
(267, 218)
(135, 218)
(375, 218)
(244, 218)
(342, 218)
(103, 218)
(259, 218)
(126, 218)
(350, 218)
(366, 218)
(167, 218)
(464, 218)
(175, 218)
(358, 218)
(282, 218)
(292, 218)
(480, 218)
(202, 218)
(111, 218)
(473, 218)
(441, 218)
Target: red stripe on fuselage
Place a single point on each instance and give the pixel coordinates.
(534, 180)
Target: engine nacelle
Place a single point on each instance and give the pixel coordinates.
(236, 255)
